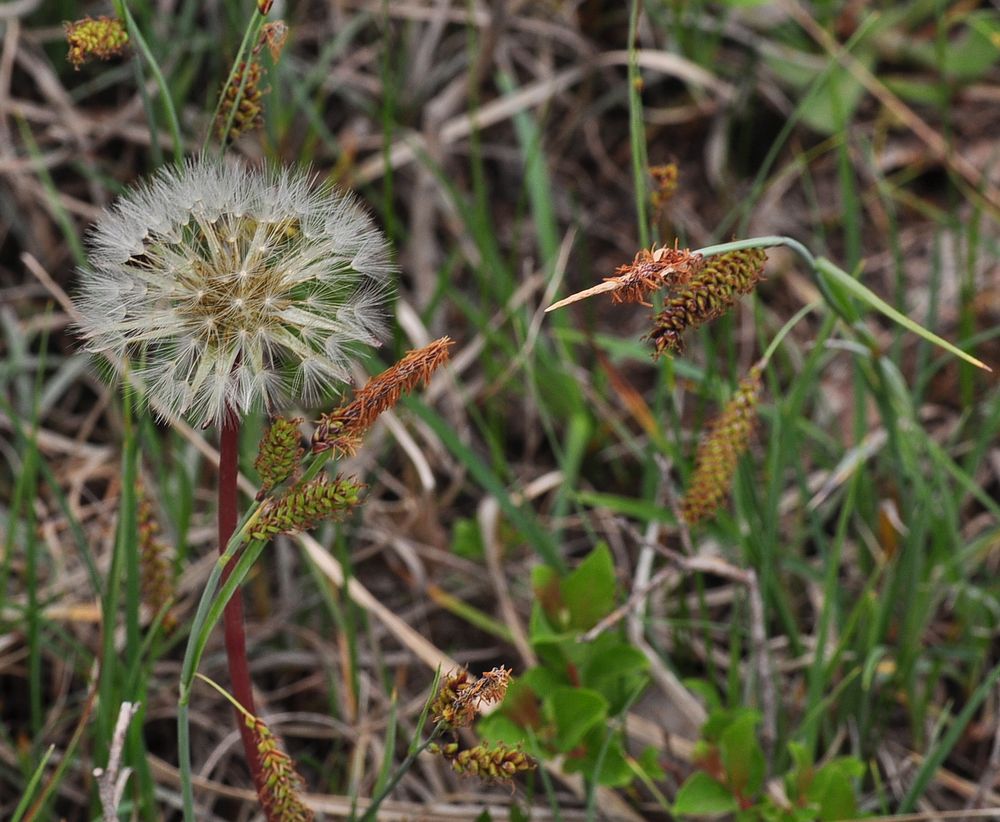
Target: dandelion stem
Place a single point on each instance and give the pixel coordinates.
(235, 636)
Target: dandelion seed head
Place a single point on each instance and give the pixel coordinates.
(222, 287)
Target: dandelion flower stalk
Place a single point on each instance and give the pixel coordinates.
(223, 289)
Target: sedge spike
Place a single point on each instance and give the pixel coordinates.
(304, 505)
(664, 179)
(282, 782)
(101, 38)
(651, 270)
(458, 700)
(709, 295)
(279, 454)
(156, 578)
(498, 762)
(248, 113)
(343, 429)
(720, 449)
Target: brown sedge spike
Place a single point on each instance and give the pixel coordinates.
(343, 429)
(304, 505)
(722, 445)
(664, 186)
(709, 295)
(101, 38)
(651, 270)
(282, 782)
(458, 699)
(155, 576)
(496, 762)
(279, 454)
(248, 114)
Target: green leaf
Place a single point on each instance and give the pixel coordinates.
(649, 763)
(639, 509)
(616, 672)
(615, 771)
(589, 591)
(701, 795)
(830, 106)
(832, 789)
(547, 590)
(968, 54)
(827, 269)
(741, 754)
(498, 727)
(574, 712)
(466, 539)
(707, 691)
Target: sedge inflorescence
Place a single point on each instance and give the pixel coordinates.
(282, 784)
(222, 288)
(341, 430)
(455, 706)
(707, 295)
(101, 38)
(305, 504)
(719, 451)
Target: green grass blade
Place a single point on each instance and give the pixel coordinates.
(825, 268)
(32, 786)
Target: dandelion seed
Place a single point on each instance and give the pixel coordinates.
(224, 288)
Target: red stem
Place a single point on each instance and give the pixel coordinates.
(232, 618)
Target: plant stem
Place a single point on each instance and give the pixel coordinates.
(168, 103)
(236, 646)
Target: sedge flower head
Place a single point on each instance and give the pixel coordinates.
(224, 288)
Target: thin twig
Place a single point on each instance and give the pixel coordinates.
(111, 781)
(990, 773)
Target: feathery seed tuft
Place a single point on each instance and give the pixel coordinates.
(223, 288)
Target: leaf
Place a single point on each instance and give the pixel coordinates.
(649, 763)
(741, 754)
(589, 591)
(639, 509)
(706, 690)
(832, 789)
(497, 727)
(615, 672)
(466, 539)
(615, 771)
(545, 585)
(968, 54)
(829, 107)
(701, 795)
(574, 712)
(827, 269)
